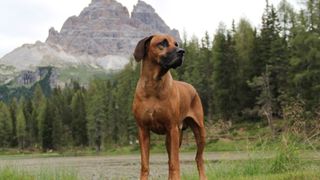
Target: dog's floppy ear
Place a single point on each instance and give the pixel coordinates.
(141, 48)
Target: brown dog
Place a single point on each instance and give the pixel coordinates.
(165, 106)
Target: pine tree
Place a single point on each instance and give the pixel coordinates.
(13, 112)
(21, 125)
(205, 64)
(304, 61)
(59, 137)
(224, 78)
(47, 126)
(96, 114)
(5, 126)
(245, 38)
(273, 56)
(37, 118)
(79, 123)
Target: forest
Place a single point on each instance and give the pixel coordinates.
(243, 74)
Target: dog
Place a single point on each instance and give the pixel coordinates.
(165, 106)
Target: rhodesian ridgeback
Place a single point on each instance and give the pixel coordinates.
(165, 106)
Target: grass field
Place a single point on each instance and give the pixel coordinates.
(10, 173)
(231, 155)
(222, 166)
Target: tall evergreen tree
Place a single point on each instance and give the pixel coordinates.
(245, 38)
(47, 126)
(96, 114)
(37, 118)
(273, 55)
(205, 63)
(13, 112)
(224, 81)
(5, 126)
(79, 123)
(21, 125)
(305, 62)
(59, 135)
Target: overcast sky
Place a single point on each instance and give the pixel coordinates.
(26, 21)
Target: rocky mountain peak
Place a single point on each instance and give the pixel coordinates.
(147, 15)
(103, 35)
(105, 28)
(143, 7)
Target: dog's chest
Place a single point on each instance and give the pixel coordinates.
(156, 115)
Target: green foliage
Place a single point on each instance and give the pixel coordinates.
(5, 126)
(97, 109)
(13, 113)
(225, 83)
(78, 124)
(21, 125)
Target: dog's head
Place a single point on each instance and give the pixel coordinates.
(161, 49)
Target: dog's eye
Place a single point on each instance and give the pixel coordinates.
(176, 44)
(163, 44)
(160, 46)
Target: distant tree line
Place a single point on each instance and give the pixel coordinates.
(98, 115)
(241, 74)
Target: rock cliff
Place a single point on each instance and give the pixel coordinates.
(103, 36)
(106, 28)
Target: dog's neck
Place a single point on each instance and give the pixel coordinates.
(154, 71)
(155, 81)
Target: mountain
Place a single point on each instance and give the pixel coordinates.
(101, 38)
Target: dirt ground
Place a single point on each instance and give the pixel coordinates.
(114, 167)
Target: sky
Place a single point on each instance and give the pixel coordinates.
(27, 21)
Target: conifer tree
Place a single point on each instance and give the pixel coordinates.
(47, 126)
(21, 125)
(224, 81)
(245, 38)
(79, 123)
(38, 107)
(5, 126)
(96, 114)
(13, 112)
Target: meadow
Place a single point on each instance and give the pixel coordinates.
(242, 152)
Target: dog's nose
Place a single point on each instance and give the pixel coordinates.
(180, 51)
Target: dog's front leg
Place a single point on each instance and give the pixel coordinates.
(173, 152)
(144, 140)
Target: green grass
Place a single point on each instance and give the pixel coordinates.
(257, 169)
(11, 173)
(289, 161)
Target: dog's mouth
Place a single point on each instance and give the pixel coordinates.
(173, 59)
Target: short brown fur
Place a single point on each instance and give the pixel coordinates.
(165, 106)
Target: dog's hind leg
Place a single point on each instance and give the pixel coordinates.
(196, 123)
(199, 133)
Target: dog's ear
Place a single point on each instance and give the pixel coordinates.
(141, 48)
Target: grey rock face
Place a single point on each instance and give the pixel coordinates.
(103, 36)
(105, 28)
